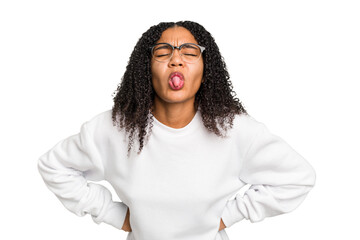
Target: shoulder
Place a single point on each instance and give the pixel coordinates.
(246, 123)
(100, 123)
(245, 129)
(104, 116)
(104, 134)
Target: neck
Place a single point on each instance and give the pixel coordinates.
(175, 115)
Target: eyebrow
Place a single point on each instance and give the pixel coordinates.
(190, 45)
(161, 47)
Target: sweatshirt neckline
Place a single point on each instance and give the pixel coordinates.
(189, 127)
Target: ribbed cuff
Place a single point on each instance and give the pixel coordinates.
(231, 213)
(115, 215)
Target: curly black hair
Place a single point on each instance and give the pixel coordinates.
(134, 96)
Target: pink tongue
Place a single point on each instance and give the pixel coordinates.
(176, 81)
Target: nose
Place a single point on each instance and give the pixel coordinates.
(176, 59)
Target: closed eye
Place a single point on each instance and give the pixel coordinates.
(162, 55)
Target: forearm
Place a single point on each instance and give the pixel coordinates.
(65, 170)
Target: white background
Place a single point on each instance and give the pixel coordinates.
(294, 65)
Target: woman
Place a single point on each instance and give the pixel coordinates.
(176, 146)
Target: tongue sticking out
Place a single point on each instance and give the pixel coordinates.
(176, 83)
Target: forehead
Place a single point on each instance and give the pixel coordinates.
(177, 36)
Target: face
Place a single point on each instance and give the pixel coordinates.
(176, 81)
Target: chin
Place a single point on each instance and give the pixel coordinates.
(175, 99)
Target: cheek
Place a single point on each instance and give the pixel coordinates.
(157, 73)
(154, 71)
(198, 72)
(157, 69)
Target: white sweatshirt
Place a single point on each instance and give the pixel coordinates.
(182, 183)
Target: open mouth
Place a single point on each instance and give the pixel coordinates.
(176, 80)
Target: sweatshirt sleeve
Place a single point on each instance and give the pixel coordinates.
(66, 169)
(279, 180)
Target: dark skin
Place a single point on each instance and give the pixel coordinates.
(127, 228)
(174, 108)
